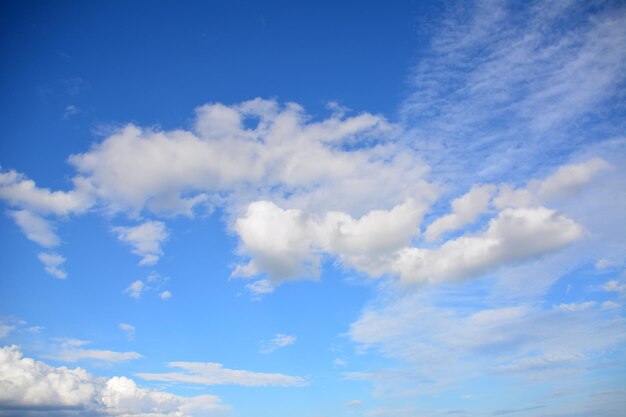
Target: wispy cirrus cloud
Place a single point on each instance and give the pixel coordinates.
(72, 350)
(209, 373)
(278, 341)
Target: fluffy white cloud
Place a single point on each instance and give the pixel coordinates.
(165, 295)
(52, 263)
(465, 209)
(36, 228)
(30, 385)
(286, 242)
(215, 374)
(278, 341)
(23, 193)
(71, 350)
(145, 239)
(170, 172)
(513, 236)
(26, 382)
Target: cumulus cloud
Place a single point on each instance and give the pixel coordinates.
(215, 374)
(165, 295)
(278, 341)
(145, 239)
(30, 385)
(23, 193)
(171, 172)
(36, 228)
(72, 350)
(286, 243)
(513, 236)
(52, 263)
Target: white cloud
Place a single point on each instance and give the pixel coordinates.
(30, 385)
(71, 350)
(513, 236)
(52, 263)
(36, 228)
(283, 154)
(608, 305)
(465, 210)
(286, 243)
(259, 287)
(566, 181)
(442, 335)
(128, 329)
(505, 91)
(145, 239)
(23, 193)
(135, 289)
(165, 295)
(614, 286)
(354, 403)
(70, 111)
(5, 330)
(215, 374)
(572, 307)
(280, 340)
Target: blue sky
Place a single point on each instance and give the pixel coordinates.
(314, 209)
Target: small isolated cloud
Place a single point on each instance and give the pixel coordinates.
(614, 286)
(279, 341)
(609, 305)
(339, 362)
(135, 289)
(70, 111)
(165, 295)
(72, 350)
(30, 386)
(207, 373)
(261, 287)
(574, 307)
(5, 330)
(128, 329)
(36, 228)
(52, 263)
(354, 403)
(145, 239)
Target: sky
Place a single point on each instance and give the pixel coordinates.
(313, 209)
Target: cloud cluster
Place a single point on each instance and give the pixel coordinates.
(27, 385)
(290, 243)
